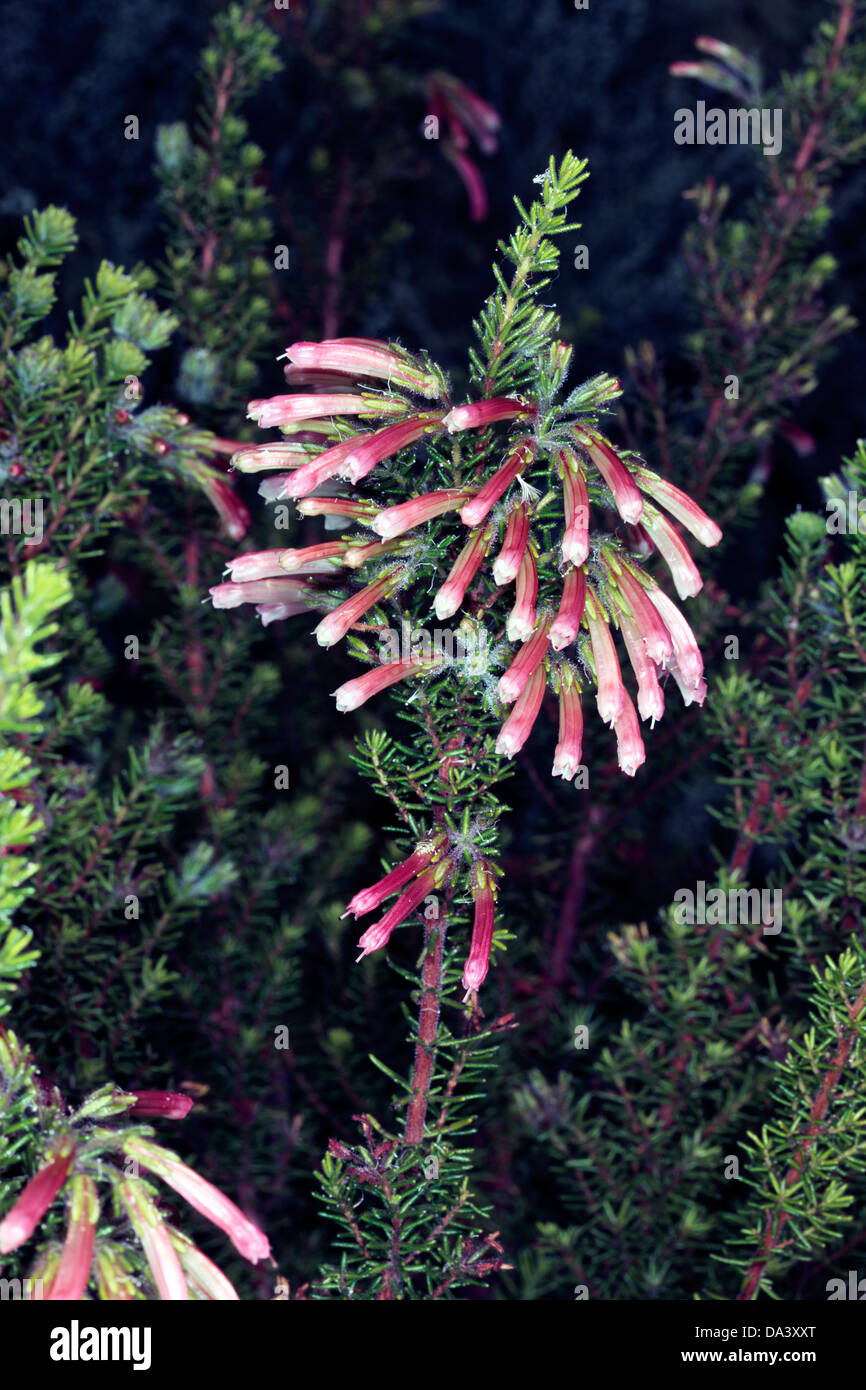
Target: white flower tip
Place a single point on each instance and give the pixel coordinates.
(445, 605)
(688, 585)
(508, 689)
(575, 551)
(631, 509)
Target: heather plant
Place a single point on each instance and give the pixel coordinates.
(506, 1083)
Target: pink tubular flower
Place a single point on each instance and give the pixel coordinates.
(356, 692)
(566, 624)
(162, 1258)
(680, 506)
(652, 628)
(394, 521)
(521, 457)
(365, 357)
(336, 506)
(259, 458)
(170, 1105)
(521, 619)
(314, 559)
(507, 563)
(283, 410)
(337, 623)
(375, 937)
(36, 1197)
(383, 443)
(255, 564)
(484, 893)
(518, 726)
(672, 548)
(203, 1277)
(566, 757)
(693, 692)
(650, 699)
(315, 471)
(464, 107)
(630, 750)
(247, 1239)
(354, 556)
(452, 593)
(480, 413)
(626, 496)
(424, 854)
(575, 540)
(221, 495)
(531, 654)
(261, 591)
(278, 612)
(687, 653)
(611, 696)
(73, 1273)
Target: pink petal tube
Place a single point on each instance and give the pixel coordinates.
(357, 691)
(566, 757)
(36, 1197)
(162, 1259)
(566, 624)
(611, 696)
(629, 744)
(507, 562)
(680, 506)
(261, 591)
(369, 898)
(394, 521)
(463, 571)
(650, 699)
(518, 726)
(383, 443)
(375, 937)
(69, 1284)
(649, 622)
(687, 653)
(672, 547)
(520, 458)
(359, 357)
(484, 893)
(480, 413)
(530, 655)
(521, 619)
(575, 540)
(282, 410)
(336, 624)
(318, 470)
(626, 496)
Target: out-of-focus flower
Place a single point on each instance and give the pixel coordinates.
(465, 115)
(73, 1272)
(37, 1196)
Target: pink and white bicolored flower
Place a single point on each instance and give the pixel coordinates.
(452, 593)
(427, 882)
(37, 1195)
(386, 442)
(507, 563)
(680, 506)
(284, 410)
(575, 540)
(356, 357)
(162, 1258)
(518, 726)
(69, 1284)
(405, 516)
(230, 595)
(674, 551)
(610, 696)
(566, 624)
(477, 964)
(478, 414)
(531, 654)
(522, 618)
(334, 627)
(424, 854)
(631, 753)
(479, 506)
(626, 497)
(566, 757)
(354, 693)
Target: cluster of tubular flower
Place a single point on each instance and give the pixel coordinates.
(415, 879)
(601, 591)
(179, 1270)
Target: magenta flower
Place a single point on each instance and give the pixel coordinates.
(521, 619)
(484, 894)
(377, 936)
(566, 757)
(566, 624)
(73, 1273)
(680, 506)
(162, 1258)
(283, 410)
(169, 1105)
(575, 540)
(687, 655)
(531, 654)
(507, 563)
(629, 744)
(478, 507)
(472, 181)
(610, 696)
(450, 596)
(383, 443)
(357, 691)
(37, 1196)
(220, 493)
(672, 548)
(366, 357)
(480, 413)
(337, 623)
(247, 1239)
(626, 496)
(518, 726)
(395, 521)
(424, 854)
